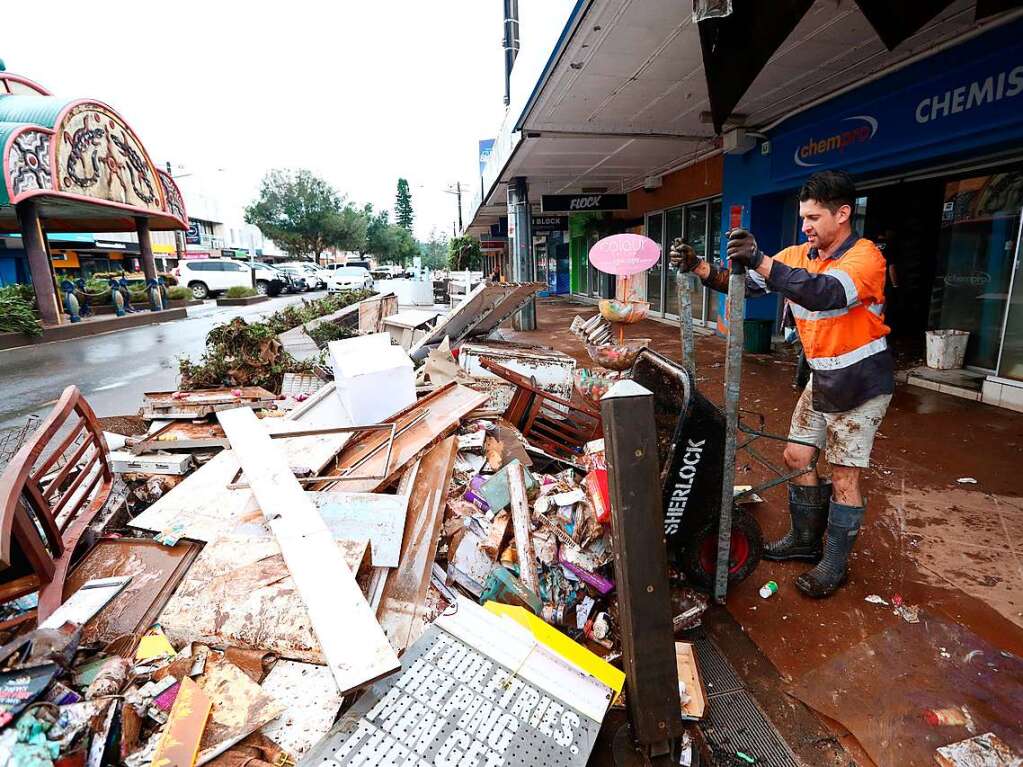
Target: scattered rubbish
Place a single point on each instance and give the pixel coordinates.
(966, 481)
(693, 695)
(874, 599)
(953, 716)
(770, 588)
(987, 750)
(200, 403)
(908, 613)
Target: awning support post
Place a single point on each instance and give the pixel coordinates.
(34, 241)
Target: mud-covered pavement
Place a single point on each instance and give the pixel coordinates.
(953, 549)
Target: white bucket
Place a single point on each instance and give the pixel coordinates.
(946, 348)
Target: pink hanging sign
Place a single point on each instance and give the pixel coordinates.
(625, 254)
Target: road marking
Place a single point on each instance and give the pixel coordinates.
(108, 386)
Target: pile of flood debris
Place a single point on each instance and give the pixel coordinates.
(377, 562)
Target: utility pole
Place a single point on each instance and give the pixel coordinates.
(457, 191)
(458, 188)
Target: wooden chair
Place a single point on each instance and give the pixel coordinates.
(549, 422)
(49, 494)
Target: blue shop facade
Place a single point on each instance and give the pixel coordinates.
(936, 149)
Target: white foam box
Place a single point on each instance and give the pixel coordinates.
(374, 380)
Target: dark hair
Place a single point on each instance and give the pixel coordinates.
(830, 188)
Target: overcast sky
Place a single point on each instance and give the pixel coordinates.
(359, 92)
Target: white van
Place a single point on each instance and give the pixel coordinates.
(209, 276)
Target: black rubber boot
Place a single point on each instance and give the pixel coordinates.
(808, 512)
(830, 573)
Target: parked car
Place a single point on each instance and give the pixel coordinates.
(269, 281)
(210, 276)
(309, 271)
(349, 278)
(302, 278)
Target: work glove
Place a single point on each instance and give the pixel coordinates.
(742, 247)
(682, 256)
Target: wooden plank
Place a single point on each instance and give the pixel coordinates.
(350, 637)
(203, 507)
(240, 593)
(378, 518)
(179, 744)
(201, 402)
(438, 414)
(403, 599)
(522, 527)
(641, 564)
(239, 707)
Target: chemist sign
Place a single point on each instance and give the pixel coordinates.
(452, 705)
(625, 254)
(971, 94)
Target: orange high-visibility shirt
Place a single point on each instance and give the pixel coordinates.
(838, 306)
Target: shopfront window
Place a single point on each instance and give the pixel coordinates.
(980, 222)
(673, 227)
(714, 254)
(1011, 364)
(696, 236)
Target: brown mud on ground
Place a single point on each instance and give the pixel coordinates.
(955, 549)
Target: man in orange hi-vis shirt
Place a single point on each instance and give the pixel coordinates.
(834, 283)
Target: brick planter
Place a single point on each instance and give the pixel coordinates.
(91, 327)
(241, 301)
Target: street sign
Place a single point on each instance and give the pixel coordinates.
(624, 254)
(582, 203)
(192, 236)
(550, 223)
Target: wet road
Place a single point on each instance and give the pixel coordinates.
(114, 369)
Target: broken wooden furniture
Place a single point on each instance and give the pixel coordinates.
(203, 402)
(482, 310)
(50, 492)
(552, 423)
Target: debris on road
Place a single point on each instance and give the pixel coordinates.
(282, 567)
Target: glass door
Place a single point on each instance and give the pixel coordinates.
(673, 227)
(655, 274)
(713, 255)
(696, 236)
(1010, 364)
(976, 253)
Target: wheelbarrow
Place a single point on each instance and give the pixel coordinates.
(691, 444)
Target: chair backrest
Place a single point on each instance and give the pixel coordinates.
(52, 488)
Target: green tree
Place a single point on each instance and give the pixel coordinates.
(390, 243)
(464, 254)
(305, 215)
(403, 206)
(434, 251)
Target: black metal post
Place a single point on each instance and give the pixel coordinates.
(641, 568)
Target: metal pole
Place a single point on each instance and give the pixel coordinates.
(641, 567)
(522, 265)
(458, 188)
(733, 378)
(684, 287)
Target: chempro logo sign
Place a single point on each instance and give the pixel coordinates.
(818, 151)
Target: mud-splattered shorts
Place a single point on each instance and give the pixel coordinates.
(845, 437)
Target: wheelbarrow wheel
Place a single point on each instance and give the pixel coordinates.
(699, 557)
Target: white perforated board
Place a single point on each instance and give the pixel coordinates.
(451, 704)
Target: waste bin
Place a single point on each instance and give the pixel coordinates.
(946, 349)
(757, 336)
